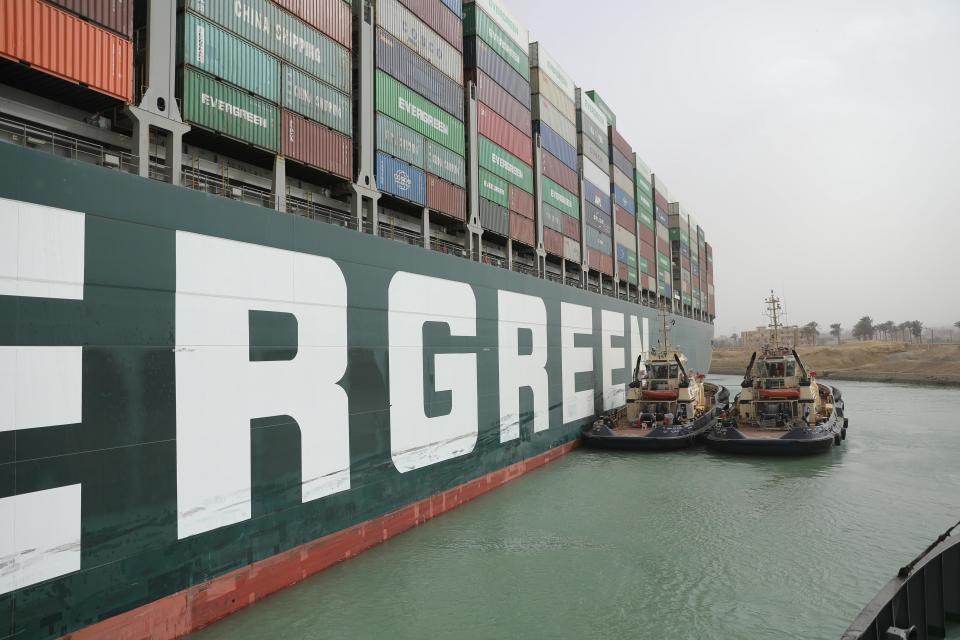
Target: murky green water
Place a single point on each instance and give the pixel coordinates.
(677, 545)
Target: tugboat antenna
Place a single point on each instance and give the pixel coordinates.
(773, 312)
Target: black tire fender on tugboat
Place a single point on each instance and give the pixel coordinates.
(836, 439)
(846, 423)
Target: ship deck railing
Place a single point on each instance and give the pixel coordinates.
(71, 147)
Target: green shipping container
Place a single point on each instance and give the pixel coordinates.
(477, 23)
(446, 164)
(646, 218)
(223, 109)
(424, 117)
(268, 26)
(502, 163)
(632, 276)
(221, 54)
(675, 233)
(663, 262)
(557, 196)
(684, 236)
(493, 188)
(632, 259)
(304, 94)
(597, 100)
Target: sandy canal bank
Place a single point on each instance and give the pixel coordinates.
(937, 364)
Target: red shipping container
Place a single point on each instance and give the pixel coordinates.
(685, 263)
(332, 17)
(647, 234)
(600, 261)
(571, 227)
(552, 242)
(648, 252)
(442, 20)
(521, 229)
(625, 220)
(63, 45)
(315, 145)
(559, 172)
(661, 201)
(116, 15)
(490, 125)
(622, 271)
(446, 198)
(492, 94)
(520, 201)
(663, 246)
(617, 140)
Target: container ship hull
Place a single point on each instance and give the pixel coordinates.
(207, 401)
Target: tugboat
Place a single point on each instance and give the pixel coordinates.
(666, 408)
(781, 408)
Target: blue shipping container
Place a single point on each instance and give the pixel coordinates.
(667, 290)
(593, 195)
(684, 251)
(597, 219)
(662, 217)
(403, 180)
(623, 253)
(623, 200)
(454, 5)
(560, 148)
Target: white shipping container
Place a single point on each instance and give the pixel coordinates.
(660, 186)
(642, 167)
(595, 175)
(622, 180)
(517, 32)
(571, 249)
(626, 237)
(544, 110)
(411, 31)
(541, 83)
(591, 110)
(540, 58)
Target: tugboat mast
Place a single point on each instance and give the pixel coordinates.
(773, 312)
(664, 330)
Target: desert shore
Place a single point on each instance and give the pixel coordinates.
(928, 364)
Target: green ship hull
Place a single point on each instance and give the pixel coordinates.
(200, 386)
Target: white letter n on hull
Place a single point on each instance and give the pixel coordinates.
(219, 389)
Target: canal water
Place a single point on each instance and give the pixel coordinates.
(676, 545)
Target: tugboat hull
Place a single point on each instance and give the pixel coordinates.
(730, 438)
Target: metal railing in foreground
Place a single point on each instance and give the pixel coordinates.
(917, 603)
(66, 146)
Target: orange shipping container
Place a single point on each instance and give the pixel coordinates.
(63, 45)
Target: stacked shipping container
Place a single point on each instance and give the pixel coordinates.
(555, 116)
(680, 248)
(496, 57)
(277, 75)
(289, 96)
(647, 228)
(592, 143)
(419, 103)
(84, 43)
(661, 214)
(623, 194)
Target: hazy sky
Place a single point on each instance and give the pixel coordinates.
(817, 142)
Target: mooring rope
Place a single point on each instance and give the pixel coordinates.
(905, 570)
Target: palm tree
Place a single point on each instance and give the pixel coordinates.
(916, 328)
(864, 329)
(957, 325)
(903, 328)
(835, 331)
(810, 332)
(886, 329)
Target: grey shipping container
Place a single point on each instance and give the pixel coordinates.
(544, 110)
(418, 74)
(476, 53)
(600, 241)
(400, 141)
(425, 42)
(494, 218)
(590, 129)
(541, 83)
(552, 217)
(442, 162)
(595, 154)
(622, 162)
(597, 218)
